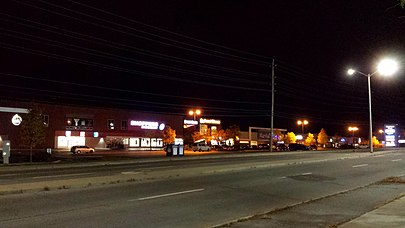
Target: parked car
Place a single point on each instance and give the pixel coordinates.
(281, 147)
(313, 147)
(296, 146)
(346, 146)
(201, 147)
(363, 146)
(81, 149)
(263, 147)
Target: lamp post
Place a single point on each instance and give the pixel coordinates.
(194, 113)
(302, 123)
(386, 67)
(353, 129)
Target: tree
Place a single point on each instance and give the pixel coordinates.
(232, 132)
(310, 140)
(402, 3)
(169, 135)
(197, 136)
(33, 132)
(278, 136)
(322, 137)
(290, 138)
(375, 141)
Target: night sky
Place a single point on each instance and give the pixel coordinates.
(170, 56)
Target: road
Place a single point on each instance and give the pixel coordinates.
(200, 192)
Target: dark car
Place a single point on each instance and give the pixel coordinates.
(281, 147)
(346, 146)
(296, 146)
(263, 147)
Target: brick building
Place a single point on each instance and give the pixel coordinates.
(69, 125)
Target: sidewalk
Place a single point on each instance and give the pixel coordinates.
(391, 215)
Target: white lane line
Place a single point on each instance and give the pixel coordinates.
(304, 174)
(8, 175)
(395, 160)
(381, 155)
(281, 177)
(356, 166)
(168, 194)
(129, 172)
(63, 175)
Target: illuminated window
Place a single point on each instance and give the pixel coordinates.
(124, 124)
(110, 124)
(46, 120)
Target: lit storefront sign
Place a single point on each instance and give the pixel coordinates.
(148, 125)
(190, 123)
(79, 124)
(210, 121)
(390, 135)
(16, 120)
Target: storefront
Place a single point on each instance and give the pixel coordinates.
(67, 126)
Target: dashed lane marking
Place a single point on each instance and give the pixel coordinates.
(168, 194)
(356, 166)
(395, 160)
(63, 175)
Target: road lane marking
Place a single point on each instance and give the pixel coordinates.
(130, 172)
(8, 175)
(168, 194)
(282, 177)
(62, 175)
(356, 166)
(395, 160)
(381, 155)
(304, 174)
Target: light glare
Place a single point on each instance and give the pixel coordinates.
(387, 67)
(351, 72)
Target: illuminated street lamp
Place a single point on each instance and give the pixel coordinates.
(353, 129)
(386, 67)
(194, 113)
(302, 123)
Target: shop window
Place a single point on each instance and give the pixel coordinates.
(124, 124)
(110, 124)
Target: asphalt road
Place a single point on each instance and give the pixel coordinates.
(202, 192)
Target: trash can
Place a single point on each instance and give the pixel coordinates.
(181, 150)
(175, 150)
(169, 150)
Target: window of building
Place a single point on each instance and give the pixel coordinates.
(124, 124)
(110, 124)
(46, 120)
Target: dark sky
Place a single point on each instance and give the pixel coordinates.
(170, 56)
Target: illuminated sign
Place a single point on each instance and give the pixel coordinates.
(16, 120)
(209, 121)
(95, 134)
(191, 122)
(390, 135)
(148, 125)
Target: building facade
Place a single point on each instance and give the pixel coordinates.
(69, 125)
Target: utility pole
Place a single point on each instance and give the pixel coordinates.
(272, 106)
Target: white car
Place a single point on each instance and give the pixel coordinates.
(81, 149)
(201, 147)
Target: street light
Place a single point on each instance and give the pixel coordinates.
(386, 67)
(194, 113)
(302, 123)
(353, 129)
